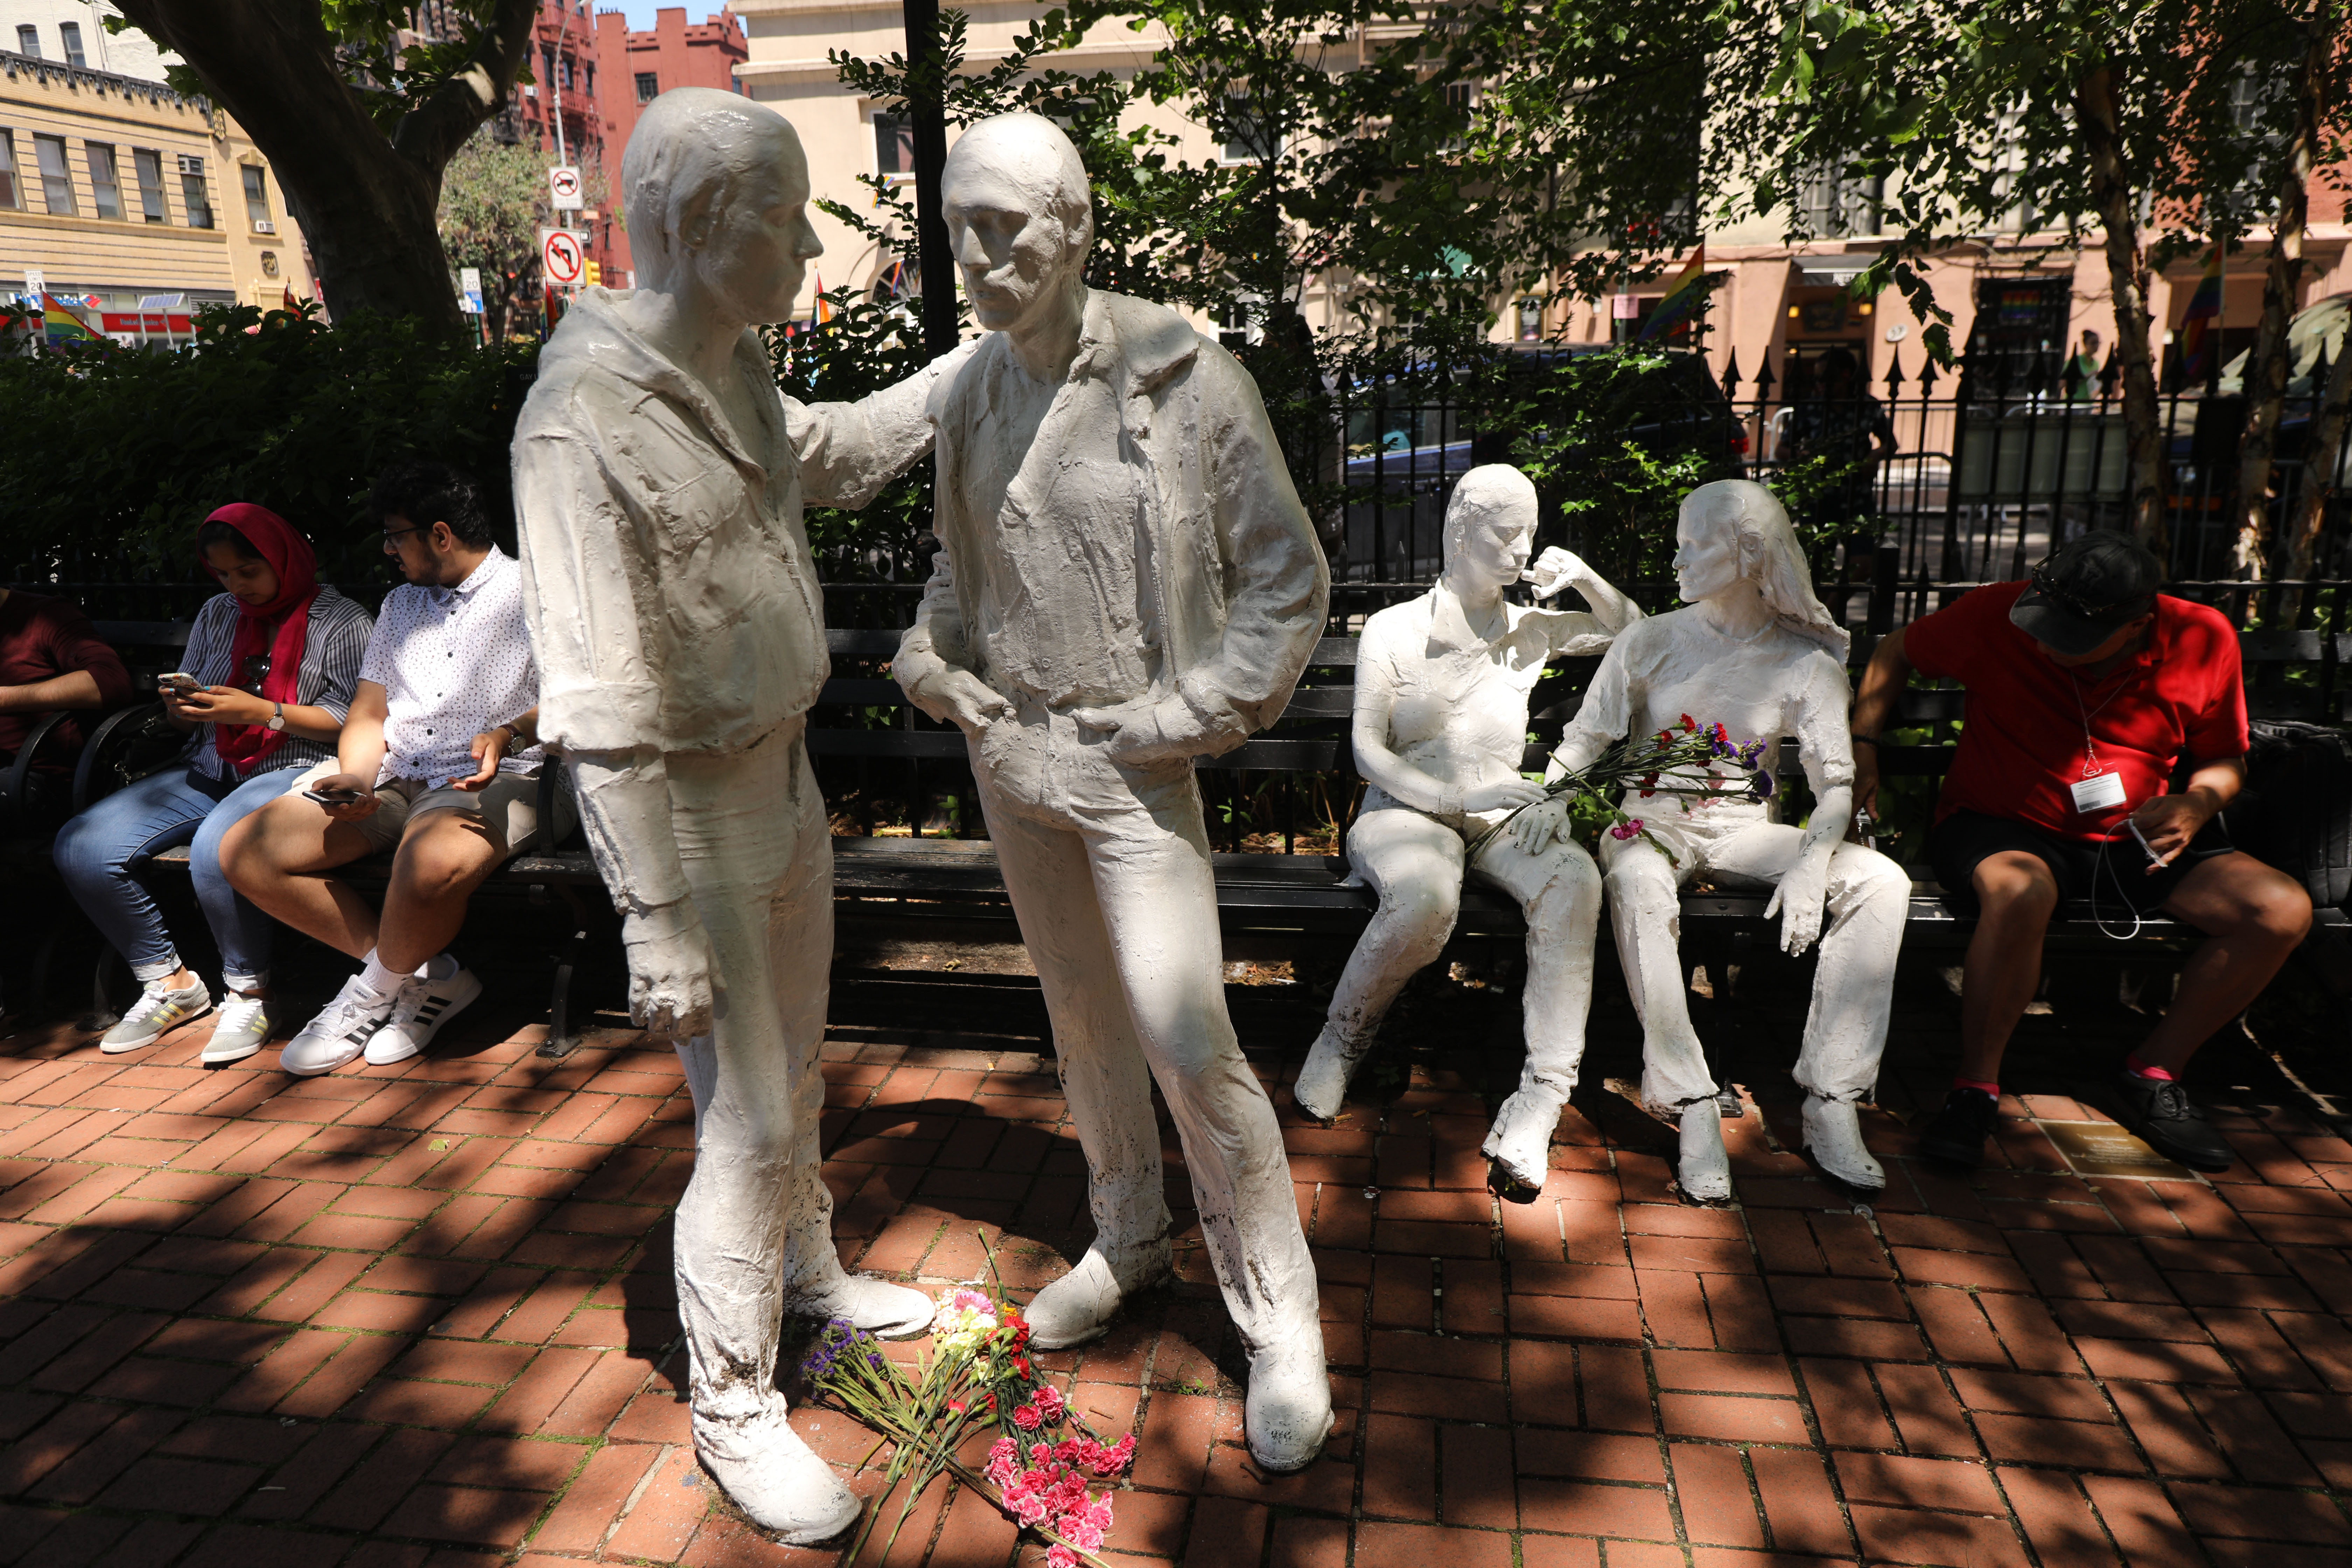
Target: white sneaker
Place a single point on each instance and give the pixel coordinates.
(341, 1031)
(157, 1013)
(242, 1026)
(423, 1006)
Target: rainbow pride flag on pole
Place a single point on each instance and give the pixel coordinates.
(821, 309)
(2200, 328)
(60, 325)
(1674, 313)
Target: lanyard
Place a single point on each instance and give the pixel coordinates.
(2090, 752)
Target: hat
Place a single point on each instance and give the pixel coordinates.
(2085, 590)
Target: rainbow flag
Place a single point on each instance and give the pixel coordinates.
(1674, 313)
(60, 325)
(821, 309)
(2200, 328)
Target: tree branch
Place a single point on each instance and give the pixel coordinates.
(431, 133)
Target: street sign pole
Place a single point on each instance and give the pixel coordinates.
(927, 74)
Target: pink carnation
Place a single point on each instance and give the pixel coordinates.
(1082, 1534)
(1061, 1556)
(1028, 1508)
(1027, 1417)
(1049, 1402)
(1629, 829)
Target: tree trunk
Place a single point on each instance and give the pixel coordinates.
(2267, 366)
(2319, 462)
(365, 200)
(2094, 103)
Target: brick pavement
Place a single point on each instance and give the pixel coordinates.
(422, 1315)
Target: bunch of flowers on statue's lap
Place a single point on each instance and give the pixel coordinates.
(976, 1376)
(1688, 763)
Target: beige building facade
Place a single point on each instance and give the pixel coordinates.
(1775, 300)
(116, 192)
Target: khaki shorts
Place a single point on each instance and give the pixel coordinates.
(508, 808)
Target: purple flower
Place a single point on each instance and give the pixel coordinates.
(1761, 786)
(1629, 829)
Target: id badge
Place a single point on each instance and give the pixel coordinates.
(2100, 792)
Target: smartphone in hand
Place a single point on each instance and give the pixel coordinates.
(179, 682)
(334, 796)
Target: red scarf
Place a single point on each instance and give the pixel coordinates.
(246, 746)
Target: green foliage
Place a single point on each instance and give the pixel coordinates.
(494, 201)
(274, 409)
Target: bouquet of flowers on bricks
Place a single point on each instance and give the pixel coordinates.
(1684, 763)
(977, 1375)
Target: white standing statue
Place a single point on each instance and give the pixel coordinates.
(1126, 580)
(1442, 688)
(659, 478)
(1755, 651)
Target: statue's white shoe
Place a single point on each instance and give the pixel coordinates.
(1080, 1305)
(1833, 1133)
(1704, 1166)
(1289, 1415)
(1322, 1086)
(780, 1486)
(881, 1307)
(1520, 1139)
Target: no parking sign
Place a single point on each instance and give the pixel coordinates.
(561, 258)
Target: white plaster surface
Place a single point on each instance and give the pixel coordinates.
(659, 478)
(1126, 580)
(1755, 651)
(1440, 722)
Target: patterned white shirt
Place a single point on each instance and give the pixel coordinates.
(453, 662)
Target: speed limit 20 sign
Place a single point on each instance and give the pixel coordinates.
(561, 258)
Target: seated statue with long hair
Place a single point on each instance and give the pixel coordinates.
(1441, 724)
(1752, 649)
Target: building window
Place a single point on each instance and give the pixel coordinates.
(8, 196)
(150, 165)
(1250, 136)
(257, 199)
(28, 41)
(105, 186)
(894, 144)
(192, 191)
(648, 87)
(71, 33)
(56, 182)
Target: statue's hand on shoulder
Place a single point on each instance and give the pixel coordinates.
(1804, 889)
(673, 978)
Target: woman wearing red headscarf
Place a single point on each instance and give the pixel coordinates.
(272, 663)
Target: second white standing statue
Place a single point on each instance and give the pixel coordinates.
(1126, 580)
(674, 611)
(1441, 685)
(1755, 651)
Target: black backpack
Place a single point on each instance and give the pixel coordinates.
(2296, 809)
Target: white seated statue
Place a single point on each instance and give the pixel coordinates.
(1442, 688)
(1753, 650)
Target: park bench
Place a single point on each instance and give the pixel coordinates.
(924, 880)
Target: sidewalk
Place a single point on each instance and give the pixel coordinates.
(422, 1315)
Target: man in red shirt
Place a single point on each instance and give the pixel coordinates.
(2087, 687)
(50, 659)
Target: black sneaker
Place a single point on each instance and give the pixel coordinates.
(1956, 1136)
(2161, 1113)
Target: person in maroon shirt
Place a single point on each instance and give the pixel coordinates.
(2085, 688)
(50, 658)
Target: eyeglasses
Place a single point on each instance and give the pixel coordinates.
(392, 533)
(2046, 582)
(256, 671)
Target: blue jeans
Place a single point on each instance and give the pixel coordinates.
(101, 852)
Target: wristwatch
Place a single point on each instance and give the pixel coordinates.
(278, 717)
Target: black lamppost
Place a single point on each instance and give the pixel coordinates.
(926, 87)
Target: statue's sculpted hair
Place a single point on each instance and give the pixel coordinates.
(691, 147)
(1486, 494)
(1775, 561)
